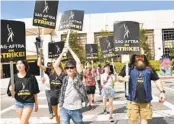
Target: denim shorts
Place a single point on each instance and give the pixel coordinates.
(23, 105)
(108, 93)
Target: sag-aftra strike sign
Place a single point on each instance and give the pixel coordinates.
(55, 49)
(91, 51)
(72, 19)
(107, 47)
(45, 13)
(127, 37)
(12, 41)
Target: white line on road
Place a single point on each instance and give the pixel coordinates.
(166, 103)
(87, 118)
(168, 88)
(97, 104)
(7, 109)
(116, 102)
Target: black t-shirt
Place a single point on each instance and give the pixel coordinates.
(25, 88)
(140, 90)
(55, 80)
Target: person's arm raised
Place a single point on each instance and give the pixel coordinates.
(76, 58)
(39, 63)
(58, 61)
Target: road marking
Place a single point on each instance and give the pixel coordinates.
(120, 102)
(86, 118)
(168, 88)
(7, 109)
(166, 103)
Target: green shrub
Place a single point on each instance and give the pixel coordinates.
(155, 64)
(119, 66)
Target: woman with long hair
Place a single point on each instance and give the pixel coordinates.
(25, 92)
(107, 80)
(55, 82)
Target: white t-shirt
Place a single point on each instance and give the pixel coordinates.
(72, 99)
(105, 82)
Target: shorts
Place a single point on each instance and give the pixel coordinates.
(23, 105)
(108, 93)
(90, 89)
(139, 110)
(54, 97)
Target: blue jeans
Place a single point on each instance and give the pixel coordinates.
(48, 96)
(75, 115)
(22, 105)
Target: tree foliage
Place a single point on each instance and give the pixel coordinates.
(171, 50)
(76, 45)
(144, 45)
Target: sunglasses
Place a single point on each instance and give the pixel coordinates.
(69, 67)
(49, 65)
(140, 57)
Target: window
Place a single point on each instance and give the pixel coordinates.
(168, 34)
(150, 42)
(98, 35)
(168, 42)
(80, 36)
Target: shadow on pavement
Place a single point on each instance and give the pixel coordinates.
(120, 92)
(85, 109)
(120, 110)
(159, 121)
(115, 98)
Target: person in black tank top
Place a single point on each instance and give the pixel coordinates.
(55, 82)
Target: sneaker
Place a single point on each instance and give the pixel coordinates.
(105, 112)
(90, 107)
(111, 119)
(51, 116)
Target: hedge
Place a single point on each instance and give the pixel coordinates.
(154, 63)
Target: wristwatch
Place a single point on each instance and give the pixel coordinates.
(163, 91)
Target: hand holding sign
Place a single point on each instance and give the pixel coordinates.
(65, 50)
(126, 78)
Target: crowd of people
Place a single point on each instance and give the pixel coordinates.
(70, 86)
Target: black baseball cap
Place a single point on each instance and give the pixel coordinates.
(70, 63)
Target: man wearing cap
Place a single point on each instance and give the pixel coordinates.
(140, 92)
(73, 91)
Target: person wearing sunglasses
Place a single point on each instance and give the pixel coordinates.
(139, 98)
(73, 91)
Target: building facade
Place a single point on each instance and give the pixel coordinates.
(159, 26)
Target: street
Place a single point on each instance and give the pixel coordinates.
(162, 113)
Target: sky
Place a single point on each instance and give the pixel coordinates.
(25, 9)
